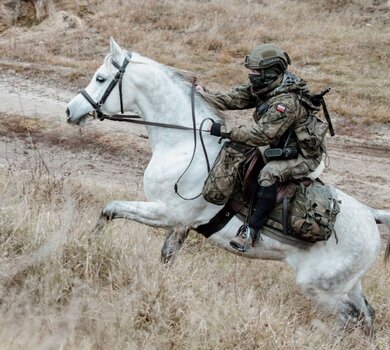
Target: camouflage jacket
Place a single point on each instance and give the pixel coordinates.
(276, 113)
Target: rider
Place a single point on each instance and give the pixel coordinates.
(284, 116)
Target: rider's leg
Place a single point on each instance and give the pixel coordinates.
(273, 172)
(264, 202)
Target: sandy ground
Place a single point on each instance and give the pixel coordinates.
(359, 158)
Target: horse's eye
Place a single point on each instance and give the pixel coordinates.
(100, 79)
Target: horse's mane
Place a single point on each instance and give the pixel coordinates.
(178, 75)
(190, 79)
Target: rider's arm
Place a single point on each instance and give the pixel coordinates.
(280, 115)
(240, 97)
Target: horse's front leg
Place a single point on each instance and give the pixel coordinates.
(174, 239)
(148, 213)
(152, 214)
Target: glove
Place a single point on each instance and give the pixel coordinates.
(215, 129)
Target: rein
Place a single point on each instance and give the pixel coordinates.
(132, 118)
(176, 186)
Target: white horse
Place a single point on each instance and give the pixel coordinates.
(328, 272)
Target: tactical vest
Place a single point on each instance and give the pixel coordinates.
(309, 131)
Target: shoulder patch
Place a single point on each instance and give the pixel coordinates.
(280, 108)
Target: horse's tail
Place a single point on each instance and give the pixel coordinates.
(383, 217)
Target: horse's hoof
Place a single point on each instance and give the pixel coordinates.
(166, 259)
(100, 225)
(167, 255)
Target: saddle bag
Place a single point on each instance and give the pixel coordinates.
(223, 179)
(313, 212)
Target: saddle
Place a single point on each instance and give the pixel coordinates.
(304, 213)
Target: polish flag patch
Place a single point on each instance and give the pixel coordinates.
(281, 108)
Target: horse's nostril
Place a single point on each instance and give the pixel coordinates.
(67, 112)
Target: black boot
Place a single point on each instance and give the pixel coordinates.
(263, 203)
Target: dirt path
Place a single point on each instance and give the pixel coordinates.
(29, 97)
(99, 151)
(359, 159)
(26, 97)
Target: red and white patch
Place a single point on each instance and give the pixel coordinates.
(281, 108)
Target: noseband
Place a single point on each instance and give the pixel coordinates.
(117, 79)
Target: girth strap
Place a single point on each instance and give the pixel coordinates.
(219, 221)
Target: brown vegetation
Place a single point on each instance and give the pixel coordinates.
(63, 287)
(344, 44)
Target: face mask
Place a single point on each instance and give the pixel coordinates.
(259, 81)
(262, 79)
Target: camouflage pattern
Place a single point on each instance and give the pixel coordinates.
(222, 179)
(240, 97)
(285, 106)
(283, 170)
(313, 213)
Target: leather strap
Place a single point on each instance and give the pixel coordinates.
(285, 215)
(89, 99)
(218, 222)
(176, 185)
(117, 79)
(131, 118)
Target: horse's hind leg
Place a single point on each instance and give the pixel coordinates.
(348, 304)
(365, 310)
(174, 239)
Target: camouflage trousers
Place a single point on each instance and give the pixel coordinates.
(283, 170)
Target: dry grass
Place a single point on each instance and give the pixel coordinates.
(64, 287)
(40, 131)
(344, 44)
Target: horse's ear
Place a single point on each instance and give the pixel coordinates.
(116, 51)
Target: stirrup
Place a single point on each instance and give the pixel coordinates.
(243, 240)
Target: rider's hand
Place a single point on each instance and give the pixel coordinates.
(215, 129)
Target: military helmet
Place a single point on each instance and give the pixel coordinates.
(266, 55)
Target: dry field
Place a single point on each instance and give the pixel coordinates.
(61, 287)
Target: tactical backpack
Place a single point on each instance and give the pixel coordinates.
(311, 136)
(311, 214)
(312, 131)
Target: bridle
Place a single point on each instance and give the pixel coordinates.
(130, 118)
(117, 79)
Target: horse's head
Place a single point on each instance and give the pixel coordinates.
(104, 94)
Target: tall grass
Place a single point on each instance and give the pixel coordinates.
(63, 286)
